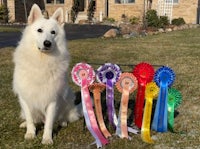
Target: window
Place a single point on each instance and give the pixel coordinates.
(174, 1)
(55, 1)
(59, 1)
(50, 1)
(124, 1)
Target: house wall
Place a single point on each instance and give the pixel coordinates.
(129, 10)
(52, 7)
(115, 10)
(11, 8)
(17, 11)
(100, 8)
(187, 9)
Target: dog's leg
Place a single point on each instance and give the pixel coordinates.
(49, 120)
(30, 131)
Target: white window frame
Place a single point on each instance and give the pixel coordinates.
(55, 2)
(174, 1)
(124, 2)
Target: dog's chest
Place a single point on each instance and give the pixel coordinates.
(40, 79)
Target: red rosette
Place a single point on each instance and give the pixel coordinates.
(144, 72)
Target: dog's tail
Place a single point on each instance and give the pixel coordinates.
(76, 111)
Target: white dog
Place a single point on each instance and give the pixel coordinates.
(41, 62)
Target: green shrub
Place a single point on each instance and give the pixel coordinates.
(4, 14)
(111, 20)
(134, 20)
(178, 21)
(152, 18)
(74, 11)
(163, 21)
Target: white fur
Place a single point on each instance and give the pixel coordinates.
(40, 75)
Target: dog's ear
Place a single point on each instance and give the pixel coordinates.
(35, 14)
(58, 15)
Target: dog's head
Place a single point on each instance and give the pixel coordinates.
(45, 32)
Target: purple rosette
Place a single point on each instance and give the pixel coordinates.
(109, 74)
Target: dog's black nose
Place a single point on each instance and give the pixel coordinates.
(47, 43)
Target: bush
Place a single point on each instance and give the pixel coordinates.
(152, 18)
(134, 20)
(178, 21)
(74, 11)
(111, 20)
(4, 14)
(163, 21)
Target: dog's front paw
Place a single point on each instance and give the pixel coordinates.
(29, 136)
(47, 141)
(63, 124)
(23, 125)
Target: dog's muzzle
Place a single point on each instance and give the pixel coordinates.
(47, 43)
(46, 46)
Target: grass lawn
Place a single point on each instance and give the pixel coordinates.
(180, 50)
(11, 29)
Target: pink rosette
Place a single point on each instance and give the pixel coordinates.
(83, 75)
(81, 71)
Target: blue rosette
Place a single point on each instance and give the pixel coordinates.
(109, 74)
(164, 78)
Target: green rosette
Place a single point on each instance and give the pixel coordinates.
(174, 100)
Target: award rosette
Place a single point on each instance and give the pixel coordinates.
(109, 74)
(164, 78)
(151, 92)
(174, 100)
(144, 73)
(126, 84)
(97, 88)
(84, 75)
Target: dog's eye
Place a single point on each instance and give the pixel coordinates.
(40, 30)
(53, 32)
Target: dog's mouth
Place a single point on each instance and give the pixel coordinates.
(45, 49)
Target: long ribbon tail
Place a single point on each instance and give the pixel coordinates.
(171, 116)
(160, 117)
(110, 103)
(139, 105)
(98, 109)
(122, 129)
(90, 116)
(145, 131)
